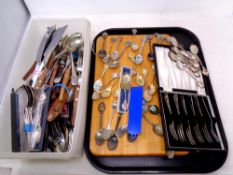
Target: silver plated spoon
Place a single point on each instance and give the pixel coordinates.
(113, 140)
(121, 131)
(99, 134)
(156, 128)
(108, 131)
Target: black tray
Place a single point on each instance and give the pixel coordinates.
(195, 162)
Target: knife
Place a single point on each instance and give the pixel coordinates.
(44, 43)
(52, 45)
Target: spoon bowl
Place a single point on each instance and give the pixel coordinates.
(112, 142)
(158, 129)
(121, 131)
(99, 138)
(108, 132)
(75, 41)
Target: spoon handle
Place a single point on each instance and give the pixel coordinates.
(143, 44)
(65, 81)
(74, 76)
(118, 121)
(150, 122)
(53, 75)
(104, 70)
(57, 105)
(110, 120)
(75, 103)
(60, 54)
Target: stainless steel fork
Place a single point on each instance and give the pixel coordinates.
(204, 127)
(196, 127)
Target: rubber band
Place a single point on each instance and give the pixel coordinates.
(28, 128)
(62, 85)
(74, 55)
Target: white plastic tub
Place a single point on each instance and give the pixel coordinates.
(24, 59)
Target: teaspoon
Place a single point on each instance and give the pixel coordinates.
(113, 140)
(150, 55)
(102, 52)
(121, 131)
(107, 132)
(134, 45)
(157, 129)
(99, 134)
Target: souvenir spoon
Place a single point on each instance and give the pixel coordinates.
(139, 80)
(121, 131)
(115, 54)
(150, 55)
(107, 132)
(107, 91)
(106, 58)
(157, 129)
(113, 140)
(99, 134)
(98, 84)
(113, 64)
(134, 45)
(194, 50)
(127, 44)
(102, 52)
(138, 59)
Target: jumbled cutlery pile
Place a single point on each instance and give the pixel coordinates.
(44, 108)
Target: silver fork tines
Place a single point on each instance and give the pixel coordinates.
(206, 134)
(173, 131)
(198, 134)
(180, 129)
(190, 136)
(176, 101)
(197, 130)
(211, 122)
